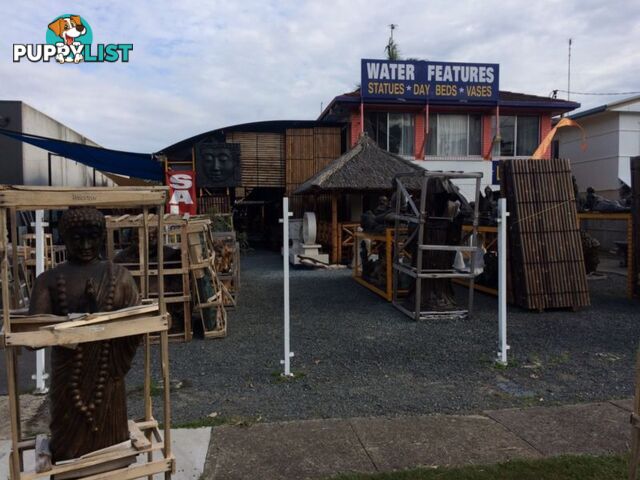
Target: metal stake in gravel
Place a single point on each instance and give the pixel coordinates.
(40, 375)
(502, 280)
(285, 263)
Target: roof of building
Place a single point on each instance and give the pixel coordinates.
(604, 108)
(506, 99)
(271, 126)
(365, 167)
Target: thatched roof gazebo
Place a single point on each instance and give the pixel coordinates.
(364, 169)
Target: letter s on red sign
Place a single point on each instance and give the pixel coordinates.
(181, 181)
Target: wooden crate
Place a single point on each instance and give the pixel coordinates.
(202, 266)
(176, 237)
(227, 260)
(48, 330)
(380, 244)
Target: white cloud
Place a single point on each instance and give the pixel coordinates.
(199, 65)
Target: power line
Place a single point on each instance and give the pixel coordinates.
(596, 93)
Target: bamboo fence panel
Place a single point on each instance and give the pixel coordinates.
(261, 158)
(546, 257)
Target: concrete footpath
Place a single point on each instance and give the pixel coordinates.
(319, 449)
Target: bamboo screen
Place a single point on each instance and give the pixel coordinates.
(545, 249)
(261, 158)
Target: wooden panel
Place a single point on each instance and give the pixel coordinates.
(261, 158)
(308, 151)
(299, 157)
(545, 247)
(327, 146)
(47, 198)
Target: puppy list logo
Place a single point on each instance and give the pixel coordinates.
(70, 40)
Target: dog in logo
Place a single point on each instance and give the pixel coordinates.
(68, 29)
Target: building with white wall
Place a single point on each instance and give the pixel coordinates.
(612, 137)
(24, 164)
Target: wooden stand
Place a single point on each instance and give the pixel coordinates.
(346, 240)
(417, 218)
(380, 244)
(620, 217)
(202, 265)
(227, 252)
(48, 330)
(175, 235)
(490, 234)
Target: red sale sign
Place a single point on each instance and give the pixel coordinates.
(182, 191)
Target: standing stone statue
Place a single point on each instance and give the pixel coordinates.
(87, 398)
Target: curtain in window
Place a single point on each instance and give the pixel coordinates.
(408, 132)
(452, 135)
(395, 132)
(432, 138)
(475, 135)
(401, 135)
(527, 137)
(507, 134)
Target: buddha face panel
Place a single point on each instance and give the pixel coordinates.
(217, 165)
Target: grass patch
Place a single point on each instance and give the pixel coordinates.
(279, 378)
(569, 467)
(218, 421)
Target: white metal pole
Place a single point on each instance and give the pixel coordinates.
(39, 225)
(502, 280)
(285, 263)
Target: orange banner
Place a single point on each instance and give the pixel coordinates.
(546, 143)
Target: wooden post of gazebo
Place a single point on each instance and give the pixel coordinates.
(334, 227)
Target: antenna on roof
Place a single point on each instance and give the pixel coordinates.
(569, 73)
(392, 48)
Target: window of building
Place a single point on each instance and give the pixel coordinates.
(392, 131)
(452, 135)
(520, 135)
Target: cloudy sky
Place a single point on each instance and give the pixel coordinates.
(204, 64)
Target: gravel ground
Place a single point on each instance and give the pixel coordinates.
(355, 355)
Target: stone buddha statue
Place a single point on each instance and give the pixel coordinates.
(87, 397)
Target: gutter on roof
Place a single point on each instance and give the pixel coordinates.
(554, 105)
(591, 111)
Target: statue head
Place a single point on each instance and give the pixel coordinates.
(83, 231)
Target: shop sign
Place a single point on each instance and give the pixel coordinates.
(426, 80)
(182, 191)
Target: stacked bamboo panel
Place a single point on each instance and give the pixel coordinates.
(309, 150)
(545, 250)
(635, 215)
(261, 158)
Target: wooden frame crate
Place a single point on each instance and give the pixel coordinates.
(48, 330)
(488, 237)
(202, 265)
(619, 217)
(227, 251)
(175, 234)
(378, 241)
(346, 240)
(491, 244)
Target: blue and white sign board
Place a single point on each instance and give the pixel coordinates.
(426, 80)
